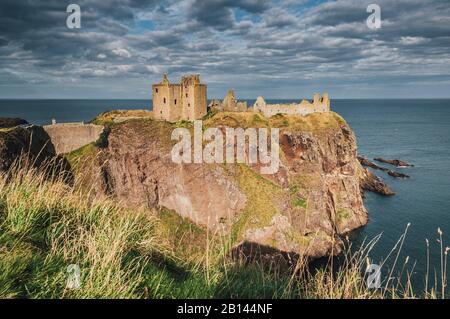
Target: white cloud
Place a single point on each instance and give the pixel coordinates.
(413, 40)
(124, 53)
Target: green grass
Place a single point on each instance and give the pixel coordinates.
(299, 202)
(343, 214)
(81, 153)
(260, 207)
(46, 225)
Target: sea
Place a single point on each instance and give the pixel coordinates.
(416, 131)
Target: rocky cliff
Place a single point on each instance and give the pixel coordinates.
(313, 200)
(31, 142)
(30, 146)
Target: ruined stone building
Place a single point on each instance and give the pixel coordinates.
(229, 104)
(319, 104)
(179, 101)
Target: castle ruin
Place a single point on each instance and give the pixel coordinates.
(320, 104)
(187, 100)
(179, 101)
(229, 104)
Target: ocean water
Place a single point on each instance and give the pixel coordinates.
(417, 131)
(41, 112)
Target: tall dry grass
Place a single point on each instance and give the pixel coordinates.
(47, 224)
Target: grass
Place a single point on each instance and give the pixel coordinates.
(343, 214)
(260, 209)
(117, 116)
(47, 225)
(299, 202)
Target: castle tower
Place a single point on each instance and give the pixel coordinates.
(260, 104)
(326, 102)
(229, 102)
(193, 95)
(316, 99)
(183, 101)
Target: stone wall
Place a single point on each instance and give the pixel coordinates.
(319, 105)
(229, 104)
(68, 137)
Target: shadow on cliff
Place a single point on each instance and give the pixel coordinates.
(32, 147)
(250, 252)
(258, 271)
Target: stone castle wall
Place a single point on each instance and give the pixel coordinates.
(318, 105)
(229, 104)
(69, 137)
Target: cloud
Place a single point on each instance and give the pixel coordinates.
(219, 14)
(124, 53)
(275, 48)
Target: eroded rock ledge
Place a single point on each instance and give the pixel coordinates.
(394, 162)
(373, 183)
(367, 163)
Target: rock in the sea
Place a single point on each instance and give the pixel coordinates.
(397, 174)
(367, 163)
(373, 183)
(394, 162)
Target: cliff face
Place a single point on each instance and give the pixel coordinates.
(304, 208)
(138, 170)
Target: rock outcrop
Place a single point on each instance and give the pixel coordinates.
(32, 143)
(397, 174)
(367, 163)
(394, 162)
(373, 183)
(6, 122)
(32, 146)
(314, 199)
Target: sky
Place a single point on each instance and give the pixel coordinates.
(275, 48)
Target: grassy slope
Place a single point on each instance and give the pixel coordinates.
(47, 225)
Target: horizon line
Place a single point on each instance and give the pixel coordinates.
(266, 98)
